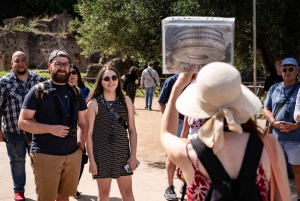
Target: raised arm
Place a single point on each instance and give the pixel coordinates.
(174, 146)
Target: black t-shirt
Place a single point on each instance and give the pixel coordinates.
(131, 77)
(272, 79)
(46, 114)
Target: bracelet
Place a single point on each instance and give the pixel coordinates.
(273, 122)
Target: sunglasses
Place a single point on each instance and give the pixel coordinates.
(107, 78)
(288, 69)
(73, 72)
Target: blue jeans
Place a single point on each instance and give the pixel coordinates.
(149, 95)
(17, 156)
(180, 126)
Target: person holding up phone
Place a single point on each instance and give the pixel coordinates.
(111, 120)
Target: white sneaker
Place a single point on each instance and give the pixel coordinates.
(170, 193)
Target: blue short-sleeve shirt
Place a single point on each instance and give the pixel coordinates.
(276, 95)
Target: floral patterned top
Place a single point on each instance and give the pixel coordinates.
(200, 186)
(194, 124)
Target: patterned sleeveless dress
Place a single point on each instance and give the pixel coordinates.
(110, 157)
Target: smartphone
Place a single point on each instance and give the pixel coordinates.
(127, 167)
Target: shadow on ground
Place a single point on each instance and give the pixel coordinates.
(94, 198)
(153, 110)
(89, 198)
(159, 165)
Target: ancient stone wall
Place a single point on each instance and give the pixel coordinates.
(38, 46)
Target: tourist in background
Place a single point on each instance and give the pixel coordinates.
(75, 79)
(273, 78)
(130, 82)
(163, 100)
(149, 79)
(279, 109)
(13, 88)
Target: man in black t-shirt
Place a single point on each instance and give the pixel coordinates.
(273, 78)
(57, 145)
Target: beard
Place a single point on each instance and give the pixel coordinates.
(21, 72)
(56, 77)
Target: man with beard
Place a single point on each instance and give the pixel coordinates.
(13, 88)
(57, 145)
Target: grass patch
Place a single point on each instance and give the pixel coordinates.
(43, 73)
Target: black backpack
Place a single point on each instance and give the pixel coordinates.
(223, 187)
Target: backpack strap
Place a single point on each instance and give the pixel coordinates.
(151, 76)
(210, 162)
(39, 92)
(214, 167)
(251, 158)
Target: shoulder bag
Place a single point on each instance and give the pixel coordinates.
(151, 76)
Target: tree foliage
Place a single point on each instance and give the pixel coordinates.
(134, 26)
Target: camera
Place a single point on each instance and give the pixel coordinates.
(73, 131)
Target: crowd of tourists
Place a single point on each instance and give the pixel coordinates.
(207, 130)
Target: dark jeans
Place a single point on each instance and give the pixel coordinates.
(17, 156)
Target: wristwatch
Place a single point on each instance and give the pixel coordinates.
(273, 122)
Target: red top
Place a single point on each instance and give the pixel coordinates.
(199, 187)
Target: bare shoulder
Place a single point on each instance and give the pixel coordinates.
(92, 104)
(128, 101)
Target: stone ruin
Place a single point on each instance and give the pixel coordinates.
(38, 46)
(52, 34)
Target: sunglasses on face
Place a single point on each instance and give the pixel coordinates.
(107, 78)
(288, 69)
(73, 72)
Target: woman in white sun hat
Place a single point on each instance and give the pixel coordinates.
(218, 96)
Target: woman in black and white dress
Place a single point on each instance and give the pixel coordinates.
(111, 143)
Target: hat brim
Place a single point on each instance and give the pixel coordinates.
(190, 105)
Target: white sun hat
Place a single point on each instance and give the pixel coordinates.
(217, 93)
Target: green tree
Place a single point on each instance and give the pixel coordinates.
(134, 26)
